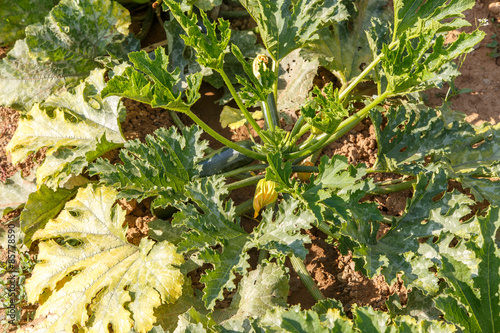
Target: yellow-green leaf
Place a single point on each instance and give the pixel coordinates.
(90, 277)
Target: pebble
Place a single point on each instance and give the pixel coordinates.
(494, 7)
(487, 81)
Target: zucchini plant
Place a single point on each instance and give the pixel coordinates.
(90, 278)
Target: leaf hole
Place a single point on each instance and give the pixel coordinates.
(74, 213)
(438, 196)
(402, 150)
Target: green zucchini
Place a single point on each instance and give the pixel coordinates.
(225, 159)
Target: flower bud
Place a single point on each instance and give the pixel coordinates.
(265, 194)
(260, 60)
(304, 176)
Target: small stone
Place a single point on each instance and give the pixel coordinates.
(494, 7)
(487, 81)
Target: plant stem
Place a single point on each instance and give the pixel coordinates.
(344, 127)
(223, 140)
(305, 277)
(262, 255)
(244, 207)
(175, 118)
(364, 73)
(384, 189)
(297, 126)
(242, 107)
(255, 167)
(245, 182)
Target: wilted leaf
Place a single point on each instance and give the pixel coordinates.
(97, 280)
(234, 118)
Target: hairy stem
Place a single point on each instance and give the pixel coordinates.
(391, 188)
(245, 182)
(244, 207)
(305, 277)
(248, 168)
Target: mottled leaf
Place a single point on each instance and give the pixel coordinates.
(472, 301)
(75, 127)
(56, 55)
(283, 235)
(287, 25)
(17, 15)
(97, 280)
(213, 223)
(14, 193)
(343, 47)
(159, 168)
(150, 82)
(398, 250)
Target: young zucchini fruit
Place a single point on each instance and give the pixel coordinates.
(225, 159)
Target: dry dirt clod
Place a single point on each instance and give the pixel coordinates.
(494, 7)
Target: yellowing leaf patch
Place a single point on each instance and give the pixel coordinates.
(90, 277)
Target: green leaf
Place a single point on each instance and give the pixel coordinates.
(259, 291)
(16, 16)
(279, 172)
(468, 152)
(343, 47)
(324, 112)
(160, 168)
(421, 60)
(42, 205)
(399, 250)
(75, 127)
(168, 314)
(283, 235)
(56, 56)
(409, 14)
(95, 279)
(472, 301)
(150, 82)
(15, 191)
(287, 25)
(210, 48)
(213, 223)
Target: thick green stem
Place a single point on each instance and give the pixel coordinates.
(245, 182)
(244, 207)
(223, 140)
(305, 277)
(242, 107)
(344, 127)
(175, 118)
(384, 189)
(263, 254)
(248, 168)
(297, 127)
(361, 76)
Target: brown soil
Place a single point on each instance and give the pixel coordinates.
(333, 272)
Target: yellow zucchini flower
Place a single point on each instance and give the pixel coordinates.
(265, 194)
